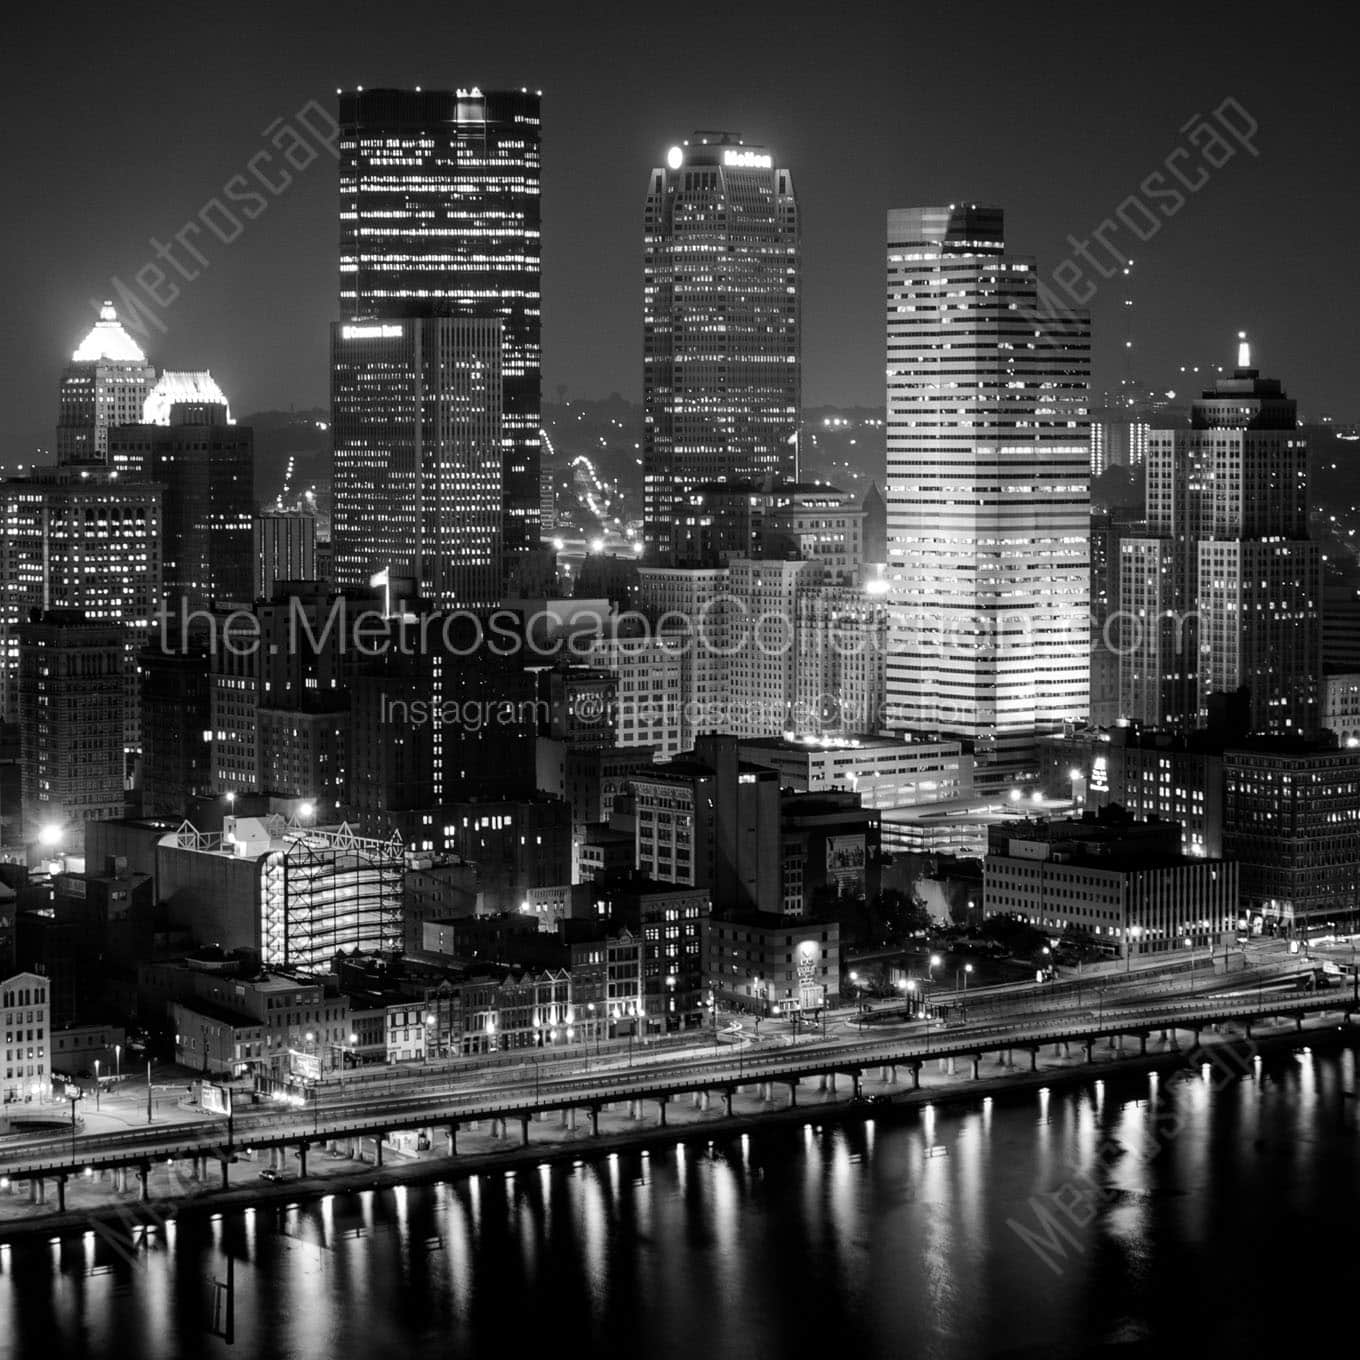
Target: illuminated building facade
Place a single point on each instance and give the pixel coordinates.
(1341, 706)
(722, 365)
(1124, 884)
(81, 538)
(886, 772)
(174, 388)
(689, 610)
(670, 920)
(25, 1010)
(207, 469)
(988, 491)
(1292, 821)
(1151, 773)
(296, 894)
(1223, 590)
(841, 643)
(818, 524)
(105, 384)
(440, 218)
(1108, 530)
(419, 458)
(649, 674)
(761, 651)
(773, 966)
(709, 820)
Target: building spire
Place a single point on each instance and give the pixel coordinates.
(1243, 350)
(108, 340)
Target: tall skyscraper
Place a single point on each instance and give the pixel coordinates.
(207, 468)
(440, 218)
(105, 384)
(419, 456)
(722, 362)
(988, 491)
(1222, 589)
(80, 538)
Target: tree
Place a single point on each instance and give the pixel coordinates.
(1014, 934)
(893, 916)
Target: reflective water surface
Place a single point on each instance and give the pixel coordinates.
(1131, 1214)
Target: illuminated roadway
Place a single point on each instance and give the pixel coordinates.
(349, 1113)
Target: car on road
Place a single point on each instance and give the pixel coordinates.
(278, 1177)
(880, 1100)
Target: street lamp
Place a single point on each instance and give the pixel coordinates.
(96, 1083)
(966, 969)
(117, 1062)
(429, 1024)
(935, 962)
(907, 986)
(73, 1094)
(49, 834)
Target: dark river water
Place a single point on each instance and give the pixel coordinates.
(1214, 1212)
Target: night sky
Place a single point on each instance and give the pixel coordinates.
(123, 121)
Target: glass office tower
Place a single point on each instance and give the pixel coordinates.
(988, 491)
(722, 364)
(440, 218)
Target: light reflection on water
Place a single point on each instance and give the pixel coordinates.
(1196, 1208)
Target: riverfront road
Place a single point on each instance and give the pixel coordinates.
(377, 1115)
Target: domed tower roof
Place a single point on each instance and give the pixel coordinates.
(108, 340)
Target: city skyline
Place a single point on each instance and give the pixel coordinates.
(882, 782)
(608, 131)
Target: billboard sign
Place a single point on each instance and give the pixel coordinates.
(807, 960)
(845, 860)
(306, 1066)
(215, 1099)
